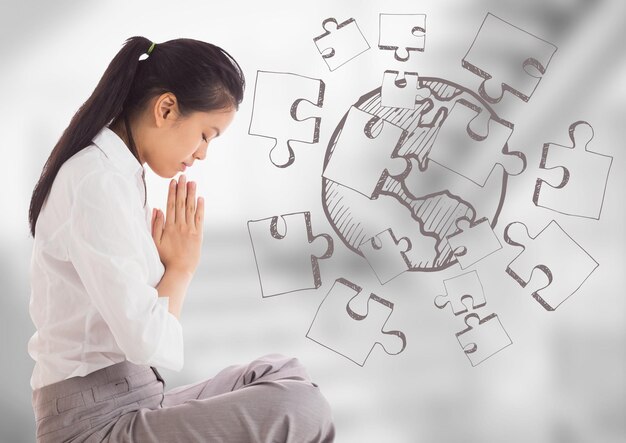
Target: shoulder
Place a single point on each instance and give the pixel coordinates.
(83, 163)
(71, 173)
(92, 176)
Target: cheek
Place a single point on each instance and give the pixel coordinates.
(176, 154)
(178, 150)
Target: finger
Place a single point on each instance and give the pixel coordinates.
(200, 214)
(153, 220)
(181, 199)
(158, 227)
(191, 203)
(171, 204)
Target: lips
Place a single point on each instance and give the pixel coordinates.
(183, 167)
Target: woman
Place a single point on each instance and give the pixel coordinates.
(109, 280)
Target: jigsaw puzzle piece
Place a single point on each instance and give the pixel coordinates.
(338, 327)
(582, 186)
(460, 288)
(471, 143)
(386, 255)
(474, 242)
(565, 263)
(275, 112)
(341, 42)
(401, 92)
(402, 33)
(483, 339)
(287, 261)
(362, 160)
(507, 58)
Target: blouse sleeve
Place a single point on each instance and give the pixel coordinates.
(106, 250)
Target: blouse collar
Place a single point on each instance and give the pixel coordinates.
(117, 151)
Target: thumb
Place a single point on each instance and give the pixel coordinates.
(157, 226)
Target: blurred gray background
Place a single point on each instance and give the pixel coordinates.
(562, 379)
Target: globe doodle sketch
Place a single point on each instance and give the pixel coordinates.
(425, 205)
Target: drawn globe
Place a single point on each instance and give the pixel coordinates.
(426, 204)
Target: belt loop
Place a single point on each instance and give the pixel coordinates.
(88, 397)
(158, 376)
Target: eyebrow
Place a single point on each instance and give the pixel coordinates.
(216, 130)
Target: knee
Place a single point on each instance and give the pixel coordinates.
(306, 396)
(275, 366)
(307, 411)
(279, 361)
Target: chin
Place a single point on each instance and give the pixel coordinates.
(166, 174)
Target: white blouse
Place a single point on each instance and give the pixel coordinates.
(94, 271)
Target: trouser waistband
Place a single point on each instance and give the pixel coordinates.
(101, 384)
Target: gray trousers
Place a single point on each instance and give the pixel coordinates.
(270, 399)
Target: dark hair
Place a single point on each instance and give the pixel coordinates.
(202, 76)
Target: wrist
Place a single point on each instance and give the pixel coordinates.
(179, 272)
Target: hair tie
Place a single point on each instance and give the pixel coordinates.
(151, 48)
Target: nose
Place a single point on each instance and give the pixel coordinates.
(201, 154)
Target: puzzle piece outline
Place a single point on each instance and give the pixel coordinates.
(339, 27)
(471, 348)
(452, 285)
(340, 165)
(402, 43)
(446, 156)
(576, 151)
(270, 225)
(263, 98)
(402, 92)
(388, 238)
(547, 233)
(376, 307)
(492, 20)
(476, 226)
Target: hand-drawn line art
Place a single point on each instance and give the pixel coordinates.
(582, 175)
(401, 92)
(563, 261)
(341, 42)
(287, 261)
(462, 287)
(339, 328)
(279, 100)
(386, 255)
(470, 143)
(502, 54)
(424, 205)
(473, 242)
(402, 33)
(361, 160)
(484, 339)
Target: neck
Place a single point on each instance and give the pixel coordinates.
(119, 128)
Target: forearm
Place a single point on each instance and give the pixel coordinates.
(174, 284)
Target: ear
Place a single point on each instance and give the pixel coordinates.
(165, 107)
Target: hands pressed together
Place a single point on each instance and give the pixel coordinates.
(178, 235)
